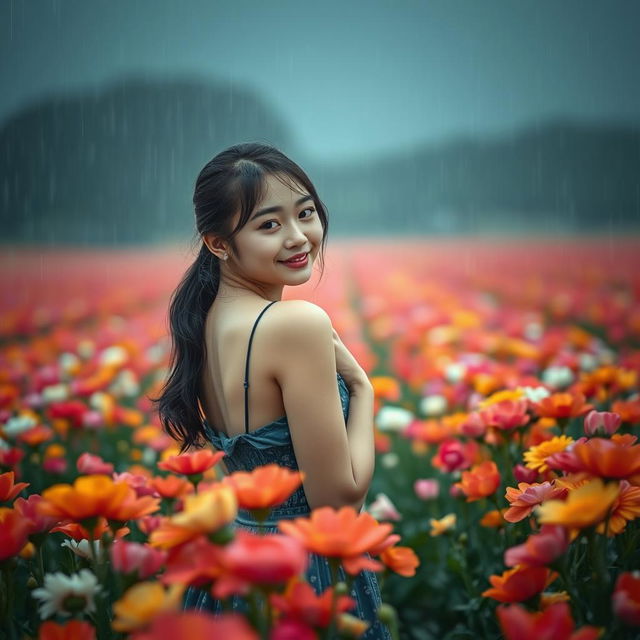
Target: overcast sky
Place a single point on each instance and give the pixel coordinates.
(350, 77)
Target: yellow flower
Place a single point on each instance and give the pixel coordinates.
(143, 602)
(438, 527)
(206, 512)
(536, 457)
(498, 396)
(585, 506)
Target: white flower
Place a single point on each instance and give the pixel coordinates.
(66, 595)
(81, 548)
(434, 405)
(100, 401)
(455, 371)
(16, 425)
(383, 509)
(68, 363)
(393, 418)
(588, 362)
(125, 384)
(55, 392)
(389, 460)
(113, 356)
(558, 377)
(533, 331)
(535, 394)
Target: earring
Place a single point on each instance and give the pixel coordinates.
(225, 256)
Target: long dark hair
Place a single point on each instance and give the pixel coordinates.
(233, 180)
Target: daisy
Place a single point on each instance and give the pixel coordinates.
(67, 595)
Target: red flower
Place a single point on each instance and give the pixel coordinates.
(14, 530)
(554, 623)
(197, 624)
(540, 549)
(626, 598)
(190, 464)
(518, 584)
(9, 490)
(72, 630)
(257, 559)
(300, 602)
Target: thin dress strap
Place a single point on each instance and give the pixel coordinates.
(246, 371)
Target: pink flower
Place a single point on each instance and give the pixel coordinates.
(129, 557)
(540, 548)
(474, 426)
(90, 464)
(138, 482)
(523, 474)
(506, 414)
(383, 509)
(601, 423)
(54, 465)
(526, 497)
(426, 488)
(454, 455)
(28, 509)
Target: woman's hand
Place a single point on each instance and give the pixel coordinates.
(347, 366)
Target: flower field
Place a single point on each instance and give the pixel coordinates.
(506, 496)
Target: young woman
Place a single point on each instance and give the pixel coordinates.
(273, 379)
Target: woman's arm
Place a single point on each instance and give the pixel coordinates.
(337, 462)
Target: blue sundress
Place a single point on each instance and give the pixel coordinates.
(271, 443)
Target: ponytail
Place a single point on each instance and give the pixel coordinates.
(178, 407)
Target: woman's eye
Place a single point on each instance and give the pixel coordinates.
(311, 211)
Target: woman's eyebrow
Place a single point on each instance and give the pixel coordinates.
(267, 210)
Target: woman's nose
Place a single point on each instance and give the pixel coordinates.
(296, 236)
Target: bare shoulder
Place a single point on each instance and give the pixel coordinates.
(298, 320)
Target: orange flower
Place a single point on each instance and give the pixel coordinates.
(614, 458)
(72, 630)
(94, 496)
(438, 527)
(9, 490)
(562, 405)
(206, 512)
(519, 584)
(527, 496)
(585, 506)
(493, 519)
(536, 457)
(265, 486)
(625, 508)
(386, 388)
(14, 530)
(554, 622)
(341, 533)
(198, 624)
(401, 560)
(300, 602)
(171, 486)
(629, 410)
(190, 464)
(482, 481)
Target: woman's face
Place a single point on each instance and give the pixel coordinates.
(289, 227)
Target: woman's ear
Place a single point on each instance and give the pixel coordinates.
(215, 246)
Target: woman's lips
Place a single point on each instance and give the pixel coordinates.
(296, 264)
